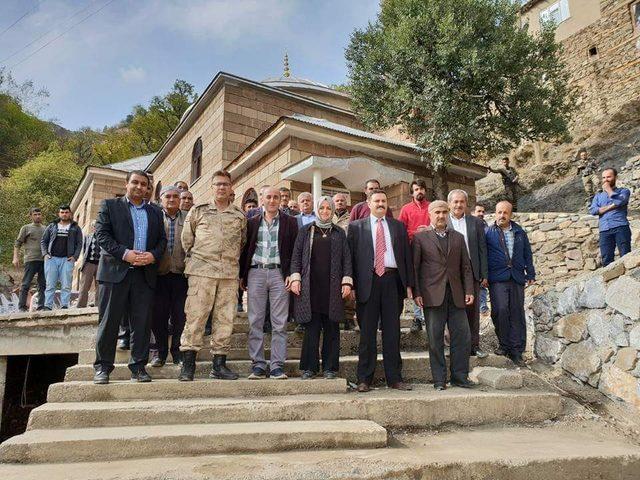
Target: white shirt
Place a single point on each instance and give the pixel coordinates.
(389, 257)
(460, 226)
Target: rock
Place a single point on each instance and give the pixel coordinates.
(598, 325)
(590, 264)
(498, 378)
(626, 359)
(573, 327)
(593, 293)
(538, 236)
(546, 227)
(623, 295)
(582, 361)
(582, 232)
(568, 300)
(616, 331)
(619, 384)
(613, 271)
(631, 261)
(634, 337)
(549, 247)
(573, 255)
(543, 308)
(548, 348)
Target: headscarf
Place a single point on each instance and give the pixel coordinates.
(329, 222)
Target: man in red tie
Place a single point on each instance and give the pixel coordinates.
(383, 278)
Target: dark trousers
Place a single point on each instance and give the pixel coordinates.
(31, 269)
(456, 319)
(124, 331)
(507, 313)
(473, 315)
(309, 359)
(609, 239)
(134, 295)
(384, 304)
(169, 299)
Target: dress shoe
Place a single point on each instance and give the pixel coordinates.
(401, 386)
(465, 383)
(364, 387)
(23, 309)
(177, 358)
(101, 377)
(416, 326)
(220, 370)
(329, 375)
(308, 375)
(439, 386)
(479, 353)
(257, 373)
(123, 344)
(518, 361)
(188, 369)
(140, 376)
(499, 351)
(157, 362)
(40, 308)
(348, 325)
(267, 328)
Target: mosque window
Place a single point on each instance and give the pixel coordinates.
(196, 160)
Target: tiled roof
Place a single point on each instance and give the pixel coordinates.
(137, 163)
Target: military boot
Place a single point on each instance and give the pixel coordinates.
(188, 366)
(220, 370)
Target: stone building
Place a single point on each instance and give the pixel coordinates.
(601, 41)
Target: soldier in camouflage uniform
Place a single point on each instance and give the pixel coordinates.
(510, 180)
(588, 170)
(212, 237)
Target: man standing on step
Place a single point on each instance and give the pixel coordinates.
(131, 235)
(361, 209)
(265, 271)
(29, 237)
(171, 289)
(444, 287)
(212, 237)
(383, 278)
(89, 266)
(510, 263)
(415, 216)
(472, 229)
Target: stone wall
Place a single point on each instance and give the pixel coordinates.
(590, 328)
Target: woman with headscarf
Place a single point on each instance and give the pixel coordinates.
(321, 279)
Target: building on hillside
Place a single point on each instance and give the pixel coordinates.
(284, 131)
(601, 41)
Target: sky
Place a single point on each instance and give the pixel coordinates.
(99, 58)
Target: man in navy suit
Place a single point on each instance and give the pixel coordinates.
(131, 234)
(383, 278)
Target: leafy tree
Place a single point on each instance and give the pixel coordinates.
(459, 76)
(26, 94)
(46, 181)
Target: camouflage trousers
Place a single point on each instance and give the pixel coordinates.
(591, 184)
(204, 296)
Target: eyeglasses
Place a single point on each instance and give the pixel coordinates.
(221, 184)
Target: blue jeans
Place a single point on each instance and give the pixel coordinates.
(483, 300)
(58, 269)
(609, 239)
(418, 312)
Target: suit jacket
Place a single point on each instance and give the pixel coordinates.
(114, 231)
(287, 233)
(362, 253)
(434, 268)
(86, 243)
(477, 246)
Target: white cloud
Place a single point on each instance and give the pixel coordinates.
(133, 74)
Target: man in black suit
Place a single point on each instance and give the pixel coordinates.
(383, 277)
(131, 234)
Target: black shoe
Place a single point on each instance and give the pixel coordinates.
(23, 309)
(157, 362)
(330, 375)
(266, 328)
(240, 308)
(257, 373)
(40, 308)
(348, 325)
(140, 376)
(439, 386)
(46, 309)
(518, 361)
(308, 375)
(499, 351)
(177, 358)
(123, 344)
(299, 328)
(101, 378)
(416, 326)
(479, 353)
(188, 369)
(219, 369)
(466, 383)
(64, 308)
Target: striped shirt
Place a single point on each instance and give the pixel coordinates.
(509, 238)
(140, 225)
(267, 244)
(171, 237)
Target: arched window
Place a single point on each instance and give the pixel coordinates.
(196, 160)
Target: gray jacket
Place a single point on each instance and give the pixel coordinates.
(74, 243)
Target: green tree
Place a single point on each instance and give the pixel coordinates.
(46, 181)
(459, 76)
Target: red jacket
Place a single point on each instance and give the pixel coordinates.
(413, 215)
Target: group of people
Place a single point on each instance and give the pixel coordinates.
(168, 269)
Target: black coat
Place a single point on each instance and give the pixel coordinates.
(361, 246)
(340, 273)
(477, 246)
(114, 232)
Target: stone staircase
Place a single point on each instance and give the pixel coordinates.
(306, 429)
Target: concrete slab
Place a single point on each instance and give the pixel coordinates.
(173, 389)
(421, 408)
(554, 453)
(498, 378)
(87, 444)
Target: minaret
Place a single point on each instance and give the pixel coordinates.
(287, 72)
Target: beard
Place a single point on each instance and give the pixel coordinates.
(420, 197)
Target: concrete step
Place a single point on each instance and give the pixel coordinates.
(421, 408)
(557, 452)
(415, 368)
(115, 443)
(349, 340)
(174, 389)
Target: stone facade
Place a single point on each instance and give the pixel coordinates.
(590, 328)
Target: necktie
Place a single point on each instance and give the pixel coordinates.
(381, 248)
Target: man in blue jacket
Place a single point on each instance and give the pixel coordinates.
(510, 269)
